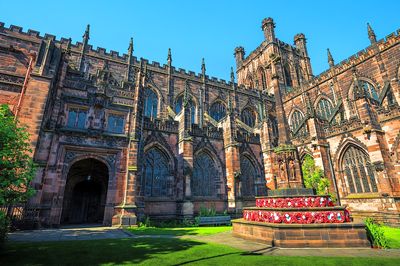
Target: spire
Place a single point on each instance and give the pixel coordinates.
(232, 76)
(186, 94)
(87, 33)
(169, 58)
(371, 34)
(130, 48)
(331, 62)
(203, 67)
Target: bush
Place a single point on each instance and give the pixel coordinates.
(376, 233)
(4, 227)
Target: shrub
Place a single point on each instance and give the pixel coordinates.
(4, 227)
(376, 233)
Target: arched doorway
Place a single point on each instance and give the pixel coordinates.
(85, 192)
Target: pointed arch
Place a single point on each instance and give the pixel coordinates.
(157, 178)
(323, 106)
(251, 181)
(357, 170)
(193, 106)
(218, 110)
(249, 116)
(288, 75)
(369, 87)
(262, 77)
(207, 178)
(151, 103)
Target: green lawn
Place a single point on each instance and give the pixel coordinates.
(393, 236)
(156, 251)
(179, 231)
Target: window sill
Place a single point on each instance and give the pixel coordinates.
(367, 195)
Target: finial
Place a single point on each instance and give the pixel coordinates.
(203, 66)
(232, 75)
(371, 34)
(169, 58)
(86, 34)
(331, 62)
(130, 48)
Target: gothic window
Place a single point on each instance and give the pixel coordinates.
(288, 77)
(150, 104)
(76, 118)
(157, 179)
(204, 175)
(273, 123)
(358, 171)
(115, 123)
(369, 90)
(251, 184)
(178, 108)
(218, 111)
(295, 122)
(249, 117)
(324, 109)
(263, 80)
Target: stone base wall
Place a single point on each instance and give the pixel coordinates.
(303, 235)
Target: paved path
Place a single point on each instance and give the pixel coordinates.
(64, 234)
(225, 238)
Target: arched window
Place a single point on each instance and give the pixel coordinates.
(204, 176)
(358, 171)
(288, 77)
(249, 117)
(218, 111)
(295, 121)
(369, 90)
(324, 109)
(158, 181)
(263, 80)
(274, 137)
(178, 108)
(150, 103)
(247, 178)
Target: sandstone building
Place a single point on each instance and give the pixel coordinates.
(118, 138)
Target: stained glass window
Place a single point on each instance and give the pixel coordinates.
(150, 104)
(295, 122)
(249, 117)
(324, 109)
(76, 118)
(157, 179)
(358, 170)
(218, 111)
(204, 177)
(369, 90)
(247, 177)
(178, 108)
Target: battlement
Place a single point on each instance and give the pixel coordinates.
(112, 55)
(359, 57)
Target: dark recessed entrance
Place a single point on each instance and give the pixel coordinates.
(85, 192)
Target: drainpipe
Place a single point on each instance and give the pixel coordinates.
(26, 80)
(333, 175)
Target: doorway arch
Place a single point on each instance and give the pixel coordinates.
(85, 192)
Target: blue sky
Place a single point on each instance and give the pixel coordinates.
(209, 29)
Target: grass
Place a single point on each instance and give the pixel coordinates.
(179, 231)
(393, 236)
(156, 251)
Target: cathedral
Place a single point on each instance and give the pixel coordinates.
(117, 138)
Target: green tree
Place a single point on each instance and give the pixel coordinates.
(16, 166)
(314, 176)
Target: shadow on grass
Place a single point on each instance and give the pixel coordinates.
(188, 231)
(92, 252)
